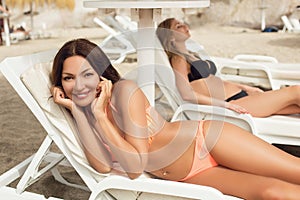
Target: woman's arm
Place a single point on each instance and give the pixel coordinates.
(95, 151)
(97, 155)
(127, 137)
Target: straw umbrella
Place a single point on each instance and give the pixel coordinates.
(61, 4)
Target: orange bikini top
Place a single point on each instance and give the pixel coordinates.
(151, 124)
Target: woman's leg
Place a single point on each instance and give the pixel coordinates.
(245, 185)
(283, 101)
(237, 149)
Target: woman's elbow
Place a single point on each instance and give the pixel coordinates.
(188, 98)
(102, 169)
(185, 98)
(99, 166)
(134, 175)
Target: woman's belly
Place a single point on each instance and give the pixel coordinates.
(171, 152)
(179, 169)
(215, 87)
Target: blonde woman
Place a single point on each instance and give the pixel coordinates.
(206, 88)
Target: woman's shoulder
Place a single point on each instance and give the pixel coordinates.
(179, 64)
(125, 83)
(125, 88)
(178, 61)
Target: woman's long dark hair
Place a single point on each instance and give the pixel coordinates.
(88, 50)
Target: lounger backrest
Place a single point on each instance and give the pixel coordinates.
(165, 77)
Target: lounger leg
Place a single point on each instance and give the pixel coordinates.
(32, 174)
(15, 172)
(62, 180)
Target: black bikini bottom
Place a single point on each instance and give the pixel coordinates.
(239, 95)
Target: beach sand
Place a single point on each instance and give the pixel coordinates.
(21, 134)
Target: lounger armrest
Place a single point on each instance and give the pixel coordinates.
(241, 65)
(207, 112)
(159, 186)
(230, 63)
(255, 58)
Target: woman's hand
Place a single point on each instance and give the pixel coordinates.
(236, 108)
(102, 99)
(60, 98)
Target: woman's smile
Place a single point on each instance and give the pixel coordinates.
(81, 95)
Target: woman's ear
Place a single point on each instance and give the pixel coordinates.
(98, 89)
(172, 41)
(98, 86)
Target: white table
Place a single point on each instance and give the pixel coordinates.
(146, 13)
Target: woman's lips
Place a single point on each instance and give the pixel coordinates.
(81, 95)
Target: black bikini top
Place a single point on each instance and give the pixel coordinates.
(201, 69)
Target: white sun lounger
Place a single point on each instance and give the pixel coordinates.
(258, 70)
(29, 76)
(276, 129)
(119, 43)
(291, 25)
(283, 74)
(126, 22)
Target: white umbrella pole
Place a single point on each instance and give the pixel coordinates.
(263, 15)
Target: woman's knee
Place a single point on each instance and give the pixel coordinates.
(295, 89)
(270, 193)
(273, 191)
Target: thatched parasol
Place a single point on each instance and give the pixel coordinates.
(70, 4)
(61, 4)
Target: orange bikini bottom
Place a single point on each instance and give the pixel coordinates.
(202, 158)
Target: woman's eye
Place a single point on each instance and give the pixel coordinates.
(67, 78)
(88, 74)
(178, 26)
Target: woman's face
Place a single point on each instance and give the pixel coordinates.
(182, 30)
(79, 80)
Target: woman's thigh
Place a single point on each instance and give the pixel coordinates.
(271, 102)
(244, 185)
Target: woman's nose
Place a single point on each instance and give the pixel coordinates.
(186, 26)
(79, 84)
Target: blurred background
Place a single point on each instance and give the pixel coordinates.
(40, 15)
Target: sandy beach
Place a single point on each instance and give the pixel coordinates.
(21, 134)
